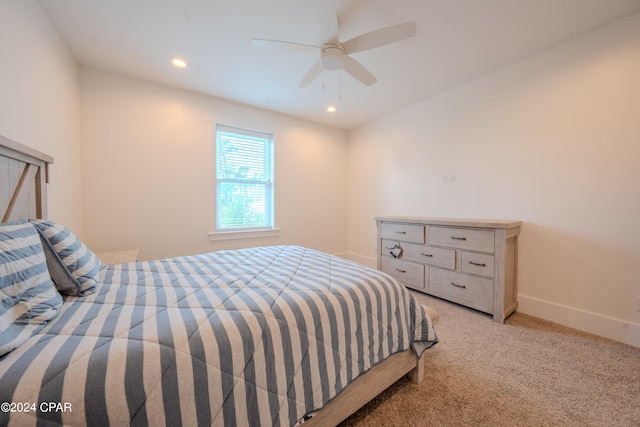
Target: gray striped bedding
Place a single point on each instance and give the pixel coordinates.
(260, 336)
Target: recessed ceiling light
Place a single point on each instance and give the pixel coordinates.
(178, 62)
(331, 109)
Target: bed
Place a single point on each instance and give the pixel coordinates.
(278, 335)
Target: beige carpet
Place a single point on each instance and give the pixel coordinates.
(527, 372)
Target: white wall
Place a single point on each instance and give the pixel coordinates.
(39, 101)
(553, 141)
(148, 170)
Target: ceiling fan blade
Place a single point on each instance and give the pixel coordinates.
(311, 75)
(380, 37)
(283, 45)
(358, 71)
(327, 20)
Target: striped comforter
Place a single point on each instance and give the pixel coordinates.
(260, 336)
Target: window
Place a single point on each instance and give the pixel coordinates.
(244, 180)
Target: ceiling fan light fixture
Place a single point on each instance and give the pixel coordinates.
(332, 58)
(331, 109)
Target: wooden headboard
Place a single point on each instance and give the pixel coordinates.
(24, 173)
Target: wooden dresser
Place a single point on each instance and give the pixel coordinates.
(470, 262)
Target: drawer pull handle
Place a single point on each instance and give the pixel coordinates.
(401, 271)
(458, 238)
(401, 232)
(458, 286)
(429, 255)
(479, 264)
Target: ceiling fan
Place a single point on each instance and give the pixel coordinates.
(335, 55)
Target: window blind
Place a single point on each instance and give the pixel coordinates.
(244, 179)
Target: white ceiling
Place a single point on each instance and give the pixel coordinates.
(457, 41)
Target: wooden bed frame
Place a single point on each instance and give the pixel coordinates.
(24, 173)
(23, 194)
(369, 385)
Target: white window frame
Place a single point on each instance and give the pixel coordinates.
(242, 232)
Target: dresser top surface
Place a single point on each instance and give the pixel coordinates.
(454, 222)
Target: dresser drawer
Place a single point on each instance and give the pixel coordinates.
(474, 292)
(405, 232)
(445, 258)
(462, 238)
(409, 273)
(474, 263)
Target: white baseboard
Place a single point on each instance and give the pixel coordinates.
(604, 326)
(368, 261)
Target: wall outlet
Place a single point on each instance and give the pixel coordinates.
(448, 178)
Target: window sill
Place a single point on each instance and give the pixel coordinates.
(237, 235)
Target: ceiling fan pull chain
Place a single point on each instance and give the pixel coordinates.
(322, 72)
(340, 85)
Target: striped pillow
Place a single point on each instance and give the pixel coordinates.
(28, 298)
(73, 266)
